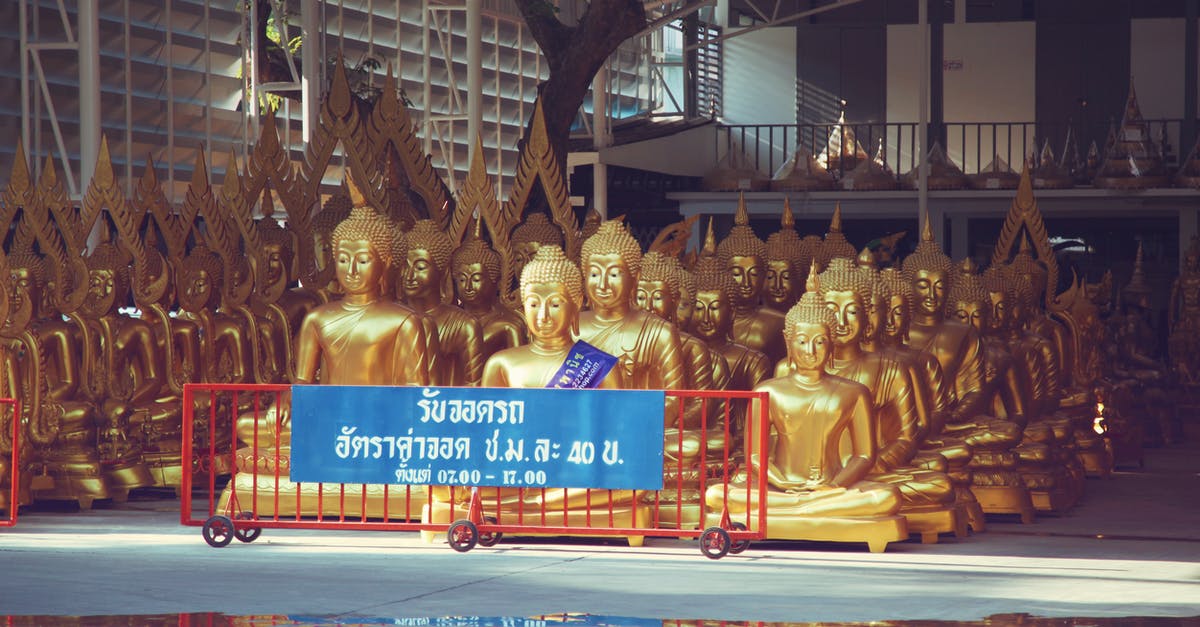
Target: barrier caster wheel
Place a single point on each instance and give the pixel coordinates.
(715, 543)
(247, 534)
(463, 535)
(490, 538)
(218, 531)
(739, 545)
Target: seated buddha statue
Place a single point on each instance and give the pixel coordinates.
(321, 266)
(551, 296)
(285, 304)
(817, 488)
(928, 496)
(745, 257)
(1058, 337)
(658, 294)
(647, 347)
(895, 317)
(62, 431)
(364, 338)
(712, 321)
(476, 270)
(1007, 392)
(459, 335)
(834, 244)
(1039, 456)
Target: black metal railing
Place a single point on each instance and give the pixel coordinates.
(972, 146)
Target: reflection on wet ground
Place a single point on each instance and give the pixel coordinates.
(213, 619)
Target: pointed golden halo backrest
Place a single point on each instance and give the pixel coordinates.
(19, 192)
(197, 201)
(103, 192)
(1024, 213)
(539, 163)
(223, 237)
(270, 164)
(339, 123)
(390, 123)
(66, 241)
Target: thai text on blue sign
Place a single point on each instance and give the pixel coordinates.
(508, 437)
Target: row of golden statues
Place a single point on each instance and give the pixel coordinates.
(906, 399)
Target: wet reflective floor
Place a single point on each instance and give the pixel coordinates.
(572, 620)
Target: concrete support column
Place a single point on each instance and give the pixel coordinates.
(89, 90)
(923, 116)
(474, 73)
(600, 188)
(1190, 78)
(310, 60)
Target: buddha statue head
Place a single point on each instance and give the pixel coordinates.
(275, 258)
(1033, 269)
(846, 290)
(536, 231)
(108, 281)
(28, 276)
(476, 271)
(336, 209)
(612, 262)
(928, 270)
(363, 246)
(1001, 296)
(712, 320)
(807, 331)
(968, 301)
(201, 280)
(785, 264)
(745, 258)
(687, 299)
(658, 285)
(899, 305)
(835, 243)
(1023, 302)
(551, 295)
(427, 261)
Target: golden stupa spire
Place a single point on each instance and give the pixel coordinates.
(788, 220)
(710, 242)
(742, 217)
(835, 223)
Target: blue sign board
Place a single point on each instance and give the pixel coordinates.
(507, 437)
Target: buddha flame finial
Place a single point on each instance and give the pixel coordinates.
(812, 283)
(968, 266)
(710, 242)
(835, 223)
(478, 232)
(866, 258)
(788, 220)
(356, 196)
(742, 217)
(927, 229)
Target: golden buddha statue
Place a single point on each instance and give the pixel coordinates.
(476, 270)
(713, 321)
(275, 283)
(125, 370)
(928, 496)
(1039, 455)
(658, 293)
(1037, 322)
(647, 347)
(788, 259)
(364, 338)
(552, 297)
(1183, 317)
(335, 210)
(956, 346)
(687, 299)
(536, 231)
(745, 257)
(817, 489)
(895, 317)
(62, 431)
(460, 336)
(1007, 393)
(225, 349)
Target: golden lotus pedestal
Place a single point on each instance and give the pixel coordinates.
(256, 488)
(80, 480)
(929, 523)
(1006, 500)
(623, 513)
(876, 531)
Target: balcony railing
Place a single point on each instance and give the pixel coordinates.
(970, 145)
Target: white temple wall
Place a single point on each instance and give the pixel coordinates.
(757, 90)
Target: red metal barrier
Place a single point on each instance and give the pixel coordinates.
(10, 494)
(702, 459)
